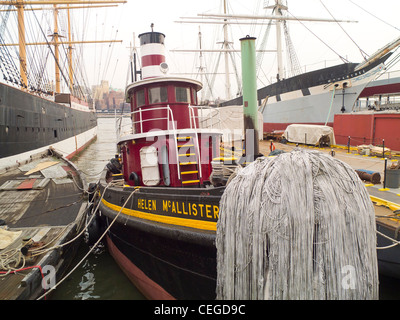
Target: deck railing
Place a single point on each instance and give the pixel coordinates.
(207, 118)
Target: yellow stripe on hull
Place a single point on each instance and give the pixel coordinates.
(191, 223)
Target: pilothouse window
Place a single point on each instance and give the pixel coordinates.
(194, 97)
(157, 95)
(182, 94)
(140, 101)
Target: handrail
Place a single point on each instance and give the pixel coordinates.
(141, 120)
(170, 119)
(192, 118)
(211, 117)
(175, 142)
(197, 147)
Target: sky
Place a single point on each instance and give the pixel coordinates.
(377, 24)
(317, 44)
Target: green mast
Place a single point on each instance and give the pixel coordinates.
(250, 112)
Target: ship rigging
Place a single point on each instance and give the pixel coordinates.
(280, 17)
(40, 111)
(31, 75)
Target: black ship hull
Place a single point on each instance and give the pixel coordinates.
(29, 122)
(388, 259)
(163, 238)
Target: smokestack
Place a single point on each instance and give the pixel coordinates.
(153, 54)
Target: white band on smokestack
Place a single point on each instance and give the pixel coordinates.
(153, 55)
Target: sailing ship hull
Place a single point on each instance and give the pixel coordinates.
(318, 108)
(313, 97)
(163, 238)
(30, 124)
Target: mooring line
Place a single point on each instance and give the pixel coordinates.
(95, 245)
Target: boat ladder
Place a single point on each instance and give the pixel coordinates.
(188, 160)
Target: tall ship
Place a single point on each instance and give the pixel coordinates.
(312, 97)
(34, 111)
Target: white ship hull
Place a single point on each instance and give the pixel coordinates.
(317, 108)
(314, 97)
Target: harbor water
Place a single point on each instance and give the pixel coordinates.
(98, 277)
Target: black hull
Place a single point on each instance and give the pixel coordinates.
(183, 269)
(177, 260)
(28, 122)
(388, 259)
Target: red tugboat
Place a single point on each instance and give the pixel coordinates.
(157, 201)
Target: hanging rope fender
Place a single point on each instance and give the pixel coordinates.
(296, 226)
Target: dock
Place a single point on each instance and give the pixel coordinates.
(42, 214)
(386, 200)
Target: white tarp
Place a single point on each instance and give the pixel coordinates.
(229, 120)
(7, 237)
(309, 134)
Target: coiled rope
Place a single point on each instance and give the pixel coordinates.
(297, 226)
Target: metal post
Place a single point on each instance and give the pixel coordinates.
(384, 175)
(250, 112)
(383, 150)
(348, 145)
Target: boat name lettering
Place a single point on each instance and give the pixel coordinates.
(184, 208)
(368, 74)
(147, 204)
(210, 211)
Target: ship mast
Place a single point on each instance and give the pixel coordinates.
(279, 18)
(71, 70)
(226, 19)
(19, 4)
(278, 12)
(56, 52)
(226, 47)
(201, 68)
(21, 43)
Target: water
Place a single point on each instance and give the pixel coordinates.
(98, 277)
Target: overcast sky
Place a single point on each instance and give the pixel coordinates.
(372, 31)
